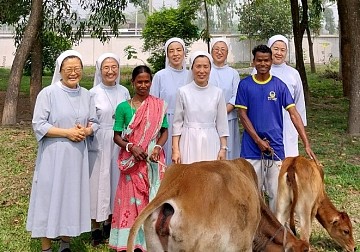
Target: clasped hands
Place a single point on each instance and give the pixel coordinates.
(79, 132)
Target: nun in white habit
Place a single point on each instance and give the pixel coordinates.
(290, 76)
(226, 78)
(200, 127)
(64, 117)
(167, 81)
(103, 152)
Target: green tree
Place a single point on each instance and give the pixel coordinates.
(103, 21)
(22, 52)
(329, 21)
(313, 28)
(259, 20)
(225, 13)
(301, 23)
(346, 53)
(52, 46)
(163, 25)
(349, 13)
(12, 10)
(205, 16)
(203, 7)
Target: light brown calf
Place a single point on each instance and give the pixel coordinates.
(301, 191)
(204, 206)
(270, 235)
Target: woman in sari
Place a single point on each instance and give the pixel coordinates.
(140, 130)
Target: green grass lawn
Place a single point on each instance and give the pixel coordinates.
(327, 120)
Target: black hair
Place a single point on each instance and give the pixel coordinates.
(201, 56)
(140, 69)
(70, 57)
(167, 48)
(262, 49)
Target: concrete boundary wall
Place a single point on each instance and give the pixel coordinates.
(325, 48)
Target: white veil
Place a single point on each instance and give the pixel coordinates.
(59, 60)
(98, 77)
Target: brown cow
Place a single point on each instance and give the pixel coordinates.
(204, 206)
(301, 190)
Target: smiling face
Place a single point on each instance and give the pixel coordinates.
(262, 62)
(279, 52)
(201, 70)
(109, 71)
(219, 53)
(175, 54)
(71, 71)
(142, 84)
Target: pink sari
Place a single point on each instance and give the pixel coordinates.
(137, 177)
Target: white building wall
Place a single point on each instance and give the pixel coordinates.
(240, 51)
(7, 50)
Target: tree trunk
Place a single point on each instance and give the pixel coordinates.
(311, 50)
(207, 28)
(353, 8)
(22, 52)
(36, 71)
(345, 51)
(298, 30)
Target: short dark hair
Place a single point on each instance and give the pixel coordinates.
(140, 69)
(262, 49)
(200, 56)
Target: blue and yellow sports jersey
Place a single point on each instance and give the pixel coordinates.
(263, 102)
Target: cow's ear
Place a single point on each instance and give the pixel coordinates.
(335, 220)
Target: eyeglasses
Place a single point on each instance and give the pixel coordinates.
(222, 50)
(71, 70)
(113, 68)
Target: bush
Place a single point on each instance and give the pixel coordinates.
(163, 25)
(332, 70)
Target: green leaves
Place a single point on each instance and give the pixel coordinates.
(12, 10)
(163, 25)
(260, 20)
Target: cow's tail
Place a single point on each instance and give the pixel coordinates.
(291, 182)
(157, 202)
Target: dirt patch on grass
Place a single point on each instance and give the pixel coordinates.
(24, 113)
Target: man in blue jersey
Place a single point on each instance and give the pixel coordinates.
(260, 99)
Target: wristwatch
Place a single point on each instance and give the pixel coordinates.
(224, 148)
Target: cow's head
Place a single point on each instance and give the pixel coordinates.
(297, 246)
(341, 231)
(293, 244)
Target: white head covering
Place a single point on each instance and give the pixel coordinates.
(98, 76)
(167, 63)
(220, 39)
(193, 56)
(275, 38)
(59, 61)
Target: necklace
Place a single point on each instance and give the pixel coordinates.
(77, 113)
(133, 105)
(111, 104)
